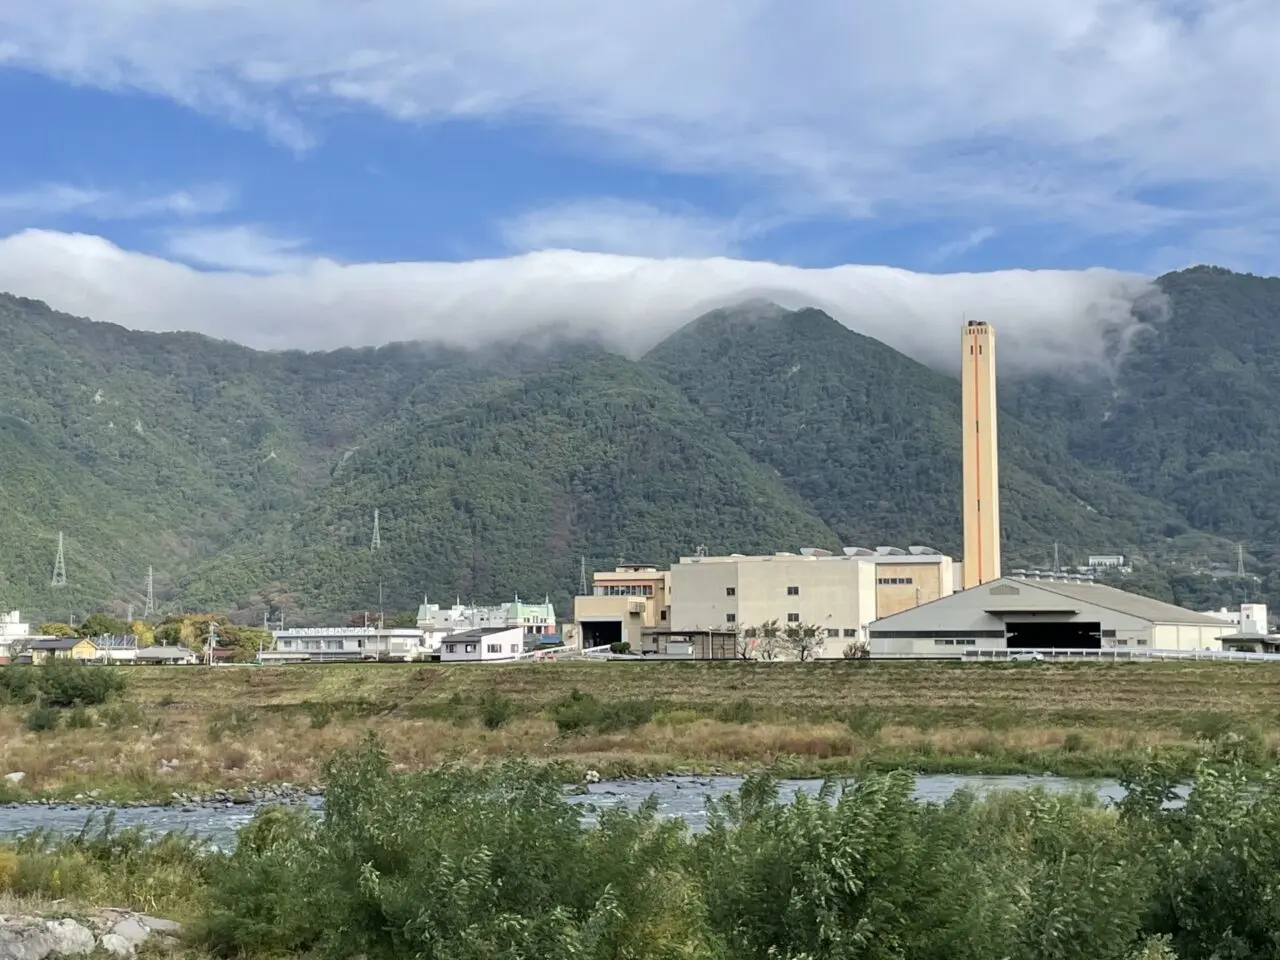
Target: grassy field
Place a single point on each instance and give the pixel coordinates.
(232, 726)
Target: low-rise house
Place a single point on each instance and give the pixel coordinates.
(483, 645)
(117, 649)
(355, 643)
(60, 648)
(165, 655)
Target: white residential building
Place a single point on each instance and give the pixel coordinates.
(531, 617)
(12, 629)
(483, 644)
(355, 643)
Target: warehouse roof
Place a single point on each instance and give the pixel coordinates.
(1122, 601)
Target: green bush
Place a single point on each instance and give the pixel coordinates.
(509, 870)
(59, 683)
(583, 713)
(79, 719)
(43, 719)
(495, 710)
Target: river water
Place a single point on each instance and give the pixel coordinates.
(683, 797)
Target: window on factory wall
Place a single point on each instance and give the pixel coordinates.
(730, 618)
(895, 581)
(515, 648)
(833, 633)
(494, 648)
(793, 591)
(730, 591)
(793, 618)
(451, 648)
(663, 615)
(471, 648)
(850, 631)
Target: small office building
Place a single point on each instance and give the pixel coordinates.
(1015, 614)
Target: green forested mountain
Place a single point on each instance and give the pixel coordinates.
(249, 480)
(870, 438)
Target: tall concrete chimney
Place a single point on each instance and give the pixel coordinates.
(981, 459)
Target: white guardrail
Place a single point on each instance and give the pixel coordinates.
(1127, 654)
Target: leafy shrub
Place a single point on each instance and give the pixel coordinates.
(79, 719)
(59, 683)
(583, 713)
(620, 647)
(741, 710)
(320, 714)
(865, 722)
(42, 719)
(495, 710)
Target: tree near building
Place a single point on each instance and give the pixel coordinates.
(769, 640)
(803, 641)
(55, 629)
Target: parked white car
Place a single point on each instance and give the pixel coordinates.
(1026, 656)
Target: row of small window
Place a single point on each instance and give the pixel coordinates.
(895, 581)
(733, 591)
(627, 590)
(936, 634)
(832, 632)
(956, 642)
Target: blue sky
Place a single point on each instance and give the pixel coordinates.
(936, 136)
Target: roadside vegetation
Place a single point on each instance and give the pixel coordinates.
(489, 862)
(143, 733)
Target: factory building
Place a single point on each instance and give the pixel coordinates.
(624, 603)
(1015, 614)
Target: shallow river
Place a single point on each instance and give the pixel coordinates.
(677, 797)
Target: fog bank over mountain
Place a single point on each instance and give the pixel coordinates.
(1045, 318)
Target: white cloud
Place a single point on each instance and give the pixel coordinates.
(243, 247)
(626, 227)
(1044, 318)
(962, 245)
(63, 199)
(996, 110)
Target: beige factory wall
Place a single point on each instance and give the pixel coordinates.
(901, 586)
(835, 594)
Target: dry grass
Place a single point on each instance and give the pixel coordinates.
(230, 727)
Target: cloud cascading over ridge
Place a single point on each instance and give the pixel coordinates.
(1045, 318)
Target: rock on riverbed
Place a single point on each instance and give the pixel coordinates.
(116, 932)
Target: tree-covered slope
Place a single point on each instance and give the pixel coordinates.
(871, 438)
(249, 479)
(592, 456)
(1190, 417)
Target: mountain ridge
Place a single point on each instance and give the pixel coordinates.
(248, 478)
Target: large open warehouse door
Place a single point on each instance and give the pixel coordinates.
(1071, 635)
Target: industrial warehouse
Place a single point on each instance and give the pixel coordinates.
(1017, 614)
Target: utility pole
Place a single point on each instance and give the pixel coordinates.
(210, 643)
(381, 619)
(583, 575)
(129, 616)
(1055, 557)
(59, 566)
(150, 609)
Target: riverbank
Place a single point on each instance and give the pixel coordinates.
(194, 731)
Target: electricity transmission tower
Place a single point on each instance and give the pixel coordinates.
(59, 566)
(150, 608)
(377, 533)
